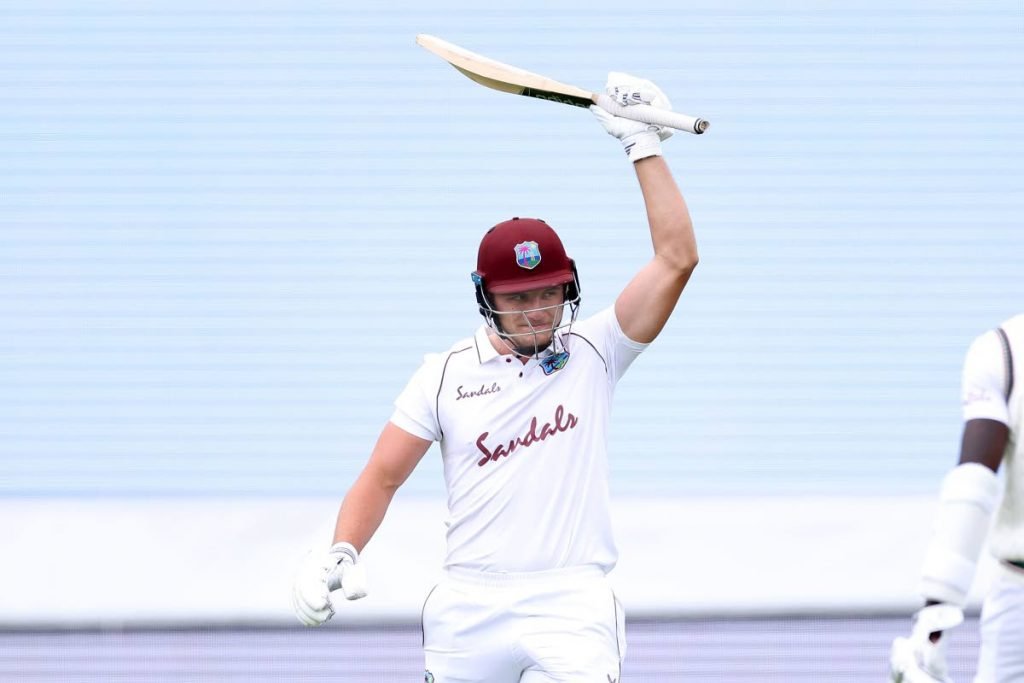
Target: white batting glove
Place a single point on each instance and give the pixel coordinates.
(917, 659)
(319, 575)
(640, 140)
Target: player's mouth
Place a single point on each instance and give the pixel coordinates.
(535, 329)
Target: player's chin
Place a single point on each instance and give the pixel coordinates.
(528, 336)
(529, 344)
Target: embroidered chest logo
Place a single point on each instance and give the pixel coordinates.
(462, 392)
(554, 362)
(563, 422)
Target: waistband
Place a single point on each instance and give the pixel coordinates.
(548, 576)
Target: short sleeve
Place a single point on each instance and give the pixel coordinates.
(604, 333)
(983, 392)
(416, 407)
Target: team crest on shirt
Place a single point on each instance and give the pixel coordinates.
(527, 255)
(554, 362)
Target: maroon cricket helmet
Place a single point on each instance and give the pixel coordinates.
(521, 254)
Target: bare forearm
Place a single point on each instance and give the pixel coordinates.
(390, 464)
(668, 216)
(362, 512)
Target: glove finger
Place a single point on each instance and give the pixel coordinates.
(600, 114)
(629, 95)
(312, 592)
(313, 602)
(306, 614)
(305, 618)
(658, 98)
(619, 125)
(314, 618)
(647, 95)
(627, 89)
(311, 616)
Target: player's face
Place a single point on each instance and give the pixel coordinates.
(528, 318)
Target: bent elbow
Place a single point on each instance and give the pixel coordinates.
(687, 262)
(680, 264)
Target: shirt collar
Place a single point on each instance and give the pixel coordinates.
(484, 349)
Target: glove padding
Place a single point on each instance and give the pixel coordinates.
(319, 575)
(640, 140)
(917, 659)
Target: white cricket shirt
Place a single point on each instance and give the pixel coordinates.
(524, 447)
(987, 377)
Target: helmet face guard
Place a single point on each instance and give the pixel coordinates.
(519, 255)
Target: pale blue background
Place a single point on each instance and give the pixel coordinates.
(229, 231)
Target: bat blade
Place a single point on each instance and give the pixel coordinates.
(496, 75)
(511, 79)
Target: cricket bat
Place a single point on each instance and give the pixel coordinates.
(511, 79)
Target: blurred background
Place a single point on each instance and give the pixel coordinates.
(229, 232)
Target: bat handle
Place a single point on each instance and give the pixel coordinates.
(645, 113)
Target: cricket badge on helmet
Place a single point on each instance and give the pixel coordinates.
(527, 255)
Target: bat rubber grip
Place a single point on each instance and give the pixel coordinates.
(645, 113)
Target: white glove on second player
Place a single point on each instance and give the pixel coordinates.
(321, 573)
(640, 140)
(917, 659)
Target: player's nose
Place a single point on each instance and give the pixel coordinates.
(538, 317)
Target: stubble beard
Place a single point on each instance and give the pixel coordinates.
(525, 344)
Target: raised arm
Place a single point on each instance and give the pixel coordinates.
(646, 303)
(648, 300)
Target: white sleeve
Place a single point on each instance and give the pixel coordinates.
(416, 407)
(604, 333)
(984, 380)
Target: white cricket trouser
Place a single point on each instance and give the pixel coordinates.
(560, 626)
(1001, 659)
